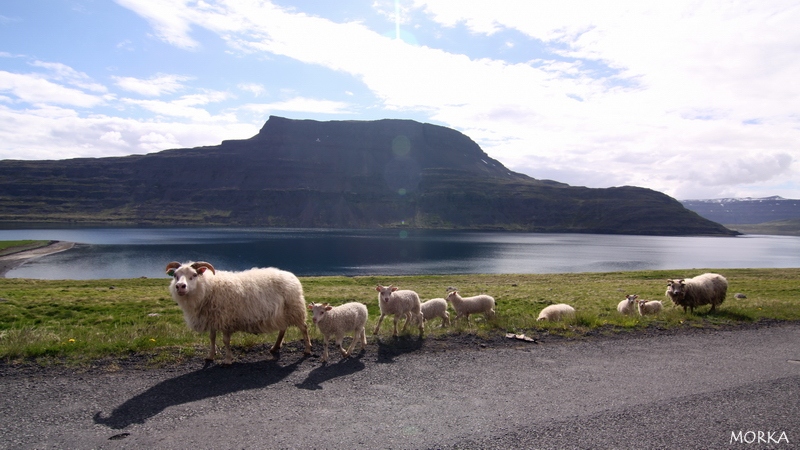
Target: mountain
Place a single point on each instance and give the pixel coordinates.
(735, 211)
(337, 174)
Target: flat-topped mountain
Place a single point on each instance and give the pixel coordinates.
(337, 174)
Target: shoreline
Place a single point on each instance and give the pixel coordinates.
(14, 260)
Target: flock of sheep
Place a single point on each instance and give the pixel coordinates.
(269, 299)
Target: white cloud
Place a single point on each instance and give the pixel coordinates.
(299, 104)
(154, 86)
(59, 133)
(113, 138)
(254, 88)
(157, 141)
(62, 72)
(636, 92)
(34, 89)
(169, 18)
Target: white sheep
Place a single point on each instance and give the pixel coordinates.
(337, 320)
(435, 307)
(648, 308)
(628, 306)
(464, 306)
(253, 301)
(556, 312)
(708, 288)
(400, 303)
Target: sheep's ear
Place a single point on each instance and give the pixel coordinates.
(310, 306)
(328, 307)
(394, 288)
(378, 288)
(201, 270)
(171, 268)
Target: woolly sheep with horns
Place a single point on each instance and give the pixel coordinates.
(254, 301)
(705, 289)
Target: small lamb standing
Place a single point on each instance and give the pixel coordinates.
(628, 306)
(337, 320)
(649, 308)
(464, 306)
(399, 303)
(435, 307)
(254, 301)
(556, 312)
(708, 288)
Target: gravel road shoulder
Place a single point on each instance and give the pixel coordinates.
(658, 389)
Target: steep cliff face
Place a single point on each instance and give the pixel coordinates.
(351, 174)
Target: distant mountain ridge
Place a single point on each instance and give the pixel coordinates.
(747, 210)
(336, 174)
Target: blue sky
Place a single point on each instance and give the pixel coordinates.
(693, 99)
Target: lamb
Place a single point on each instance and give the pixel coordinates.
(253, 301)
(464, 306)
(648, 308)
(400, 303)
(435, 307)
(336, 320)
(708, 288)
(556, 312)
(628, 306)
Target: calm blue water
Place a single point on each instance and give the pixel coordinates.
(131, 253)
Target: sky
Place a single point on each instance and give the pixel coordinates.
(696, 99)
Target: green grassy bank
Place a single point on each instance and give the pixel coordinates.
(73, 322)
(7, 247)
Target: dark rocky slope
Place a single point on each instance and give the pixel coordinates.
(341, 174)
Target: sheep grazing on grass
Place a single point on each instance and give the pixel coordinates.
(628, 306)
(254, 301)
(336, 321)
(399, 303)
(464, 306)
(435, 307)
(556, 312)
(705, 289)
(649, 308)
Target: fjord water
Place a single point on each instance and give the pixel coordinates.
(136, 252)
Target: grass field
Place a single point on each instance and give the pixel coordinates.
(73, 322)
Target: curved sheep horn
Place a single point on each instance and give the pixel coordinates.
(200, 264)
(171, 267)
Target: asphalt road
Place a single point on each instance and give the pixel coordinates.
(679, 390)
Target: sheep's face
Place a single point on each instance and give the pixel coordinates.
(676, 288)
(385, 293)
(632, 298)
(184, 279)
(451, 295)
(318, 311)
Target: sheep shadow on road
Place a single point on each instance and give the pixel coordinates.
(205, 383)
(390, 348)
(327, 372)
